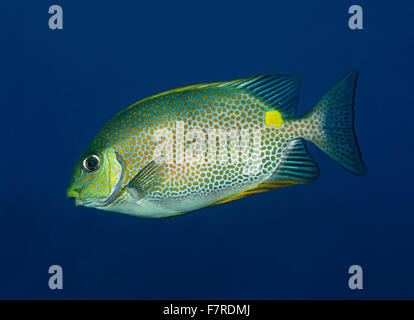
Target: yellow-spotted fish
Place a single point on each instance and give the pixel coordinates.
(208, 144)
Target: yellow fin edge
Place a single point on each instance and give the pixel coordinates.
(263, 187)
(187, 88)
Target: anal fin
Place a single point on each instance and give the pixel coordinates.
(296, 167)
(262, 187)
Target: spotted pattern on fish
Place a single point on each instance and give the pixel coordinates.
(263, 109)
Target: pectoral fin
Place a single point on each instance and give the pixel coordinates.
(147, 178)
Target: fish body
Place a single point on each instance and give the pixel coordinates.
(208, 144)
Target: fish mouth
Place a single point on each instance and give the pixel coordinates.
(70, 193)
(92, 202)
(86, 203)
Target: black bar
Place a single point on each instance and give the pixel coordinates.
(208, 309)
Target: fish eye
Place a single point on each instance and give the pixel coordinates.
(91, 163)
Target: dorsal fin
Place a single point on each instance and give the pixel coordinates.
(280, 91)
(297, 164)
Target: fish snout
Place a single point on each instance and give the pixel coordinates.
(72, 193)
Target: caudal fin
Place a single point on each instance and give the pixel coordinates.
(333, 118)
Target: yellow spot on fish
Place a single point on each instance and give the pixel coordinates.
(273, 118)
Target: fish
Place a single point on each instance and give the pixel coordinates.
(207, 144)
